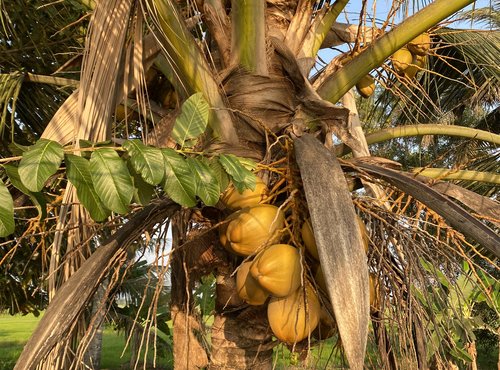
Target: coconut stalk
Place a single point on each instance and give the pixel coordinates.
(447, 174)
(423, 129)
(190, 68)
(248, 37)
(337, 84)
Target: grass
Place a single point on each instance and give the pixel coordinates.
(15, 331)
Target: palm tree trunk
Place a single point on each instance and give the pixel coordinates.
(471, 350)
(92, 357)
(188, 352)
(241, 338)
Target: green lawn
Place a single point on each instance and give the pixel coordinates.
(15, 331)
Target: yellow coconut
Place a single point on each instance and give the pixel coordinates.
(420, 45)
(401, 59)
(411, 71)
(254, 227)
(416, 66)
(420, 60)
(288, 317)
(308, 239)
(233, 199)
(278, 269)
(366, 86)
(248, 288)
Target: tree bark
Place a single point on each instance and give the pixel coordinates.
(189, 354)
(242, 340)
(92, 357)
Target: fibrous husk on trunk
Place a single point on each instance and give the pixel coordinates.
(261, 104)
(242, 340)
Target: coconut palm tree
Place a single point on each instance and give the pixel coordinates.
(217, 90)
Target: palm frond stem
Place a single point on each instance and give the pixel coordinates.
(450, 174)
(189, 68)
(423, 129)
(51, 80)
(248, 39)
(320, 29)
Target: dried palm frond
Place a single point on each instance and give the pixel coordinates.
(404, 243)
(10, 86)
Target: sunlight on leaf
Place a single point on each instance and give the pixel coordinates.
(179, 182)
(37, 198)
(78, 172)
(242, 177)
(207, 186)
(40, 162)
(111, 179)
(193, 119)
(145, 160)
(6, 211)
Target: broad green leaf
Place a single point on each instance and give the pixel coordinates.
(6, 211)
(219, 172)
(36, 198)
(78, 173)
(146, 160)
(179, 182)
(17, 149)
(207, 186)
(143, 192)
(193, 119)
(111, 179)
(247, 163)
(242, 177)
(40, 162)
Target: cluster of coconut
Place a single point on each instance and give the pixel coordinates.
(271, 272)
(275, 273)
(409, 60)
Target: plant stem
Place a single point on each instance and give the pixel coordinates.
(447, 174)
(423, 129)
(248, 37)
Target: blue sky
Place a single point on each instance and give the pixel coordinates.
(383, 6)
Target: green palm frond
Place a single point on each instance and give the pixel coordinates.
(10, 85)
(490, 16)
